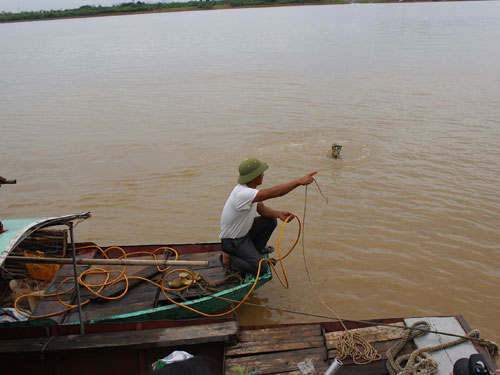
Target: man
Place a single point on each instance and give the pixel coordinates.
(243, 235)
(3, 180)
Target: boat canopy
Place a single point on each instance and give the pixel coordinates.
(16, 230)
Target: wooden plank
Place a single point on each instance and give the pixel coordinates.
(164, 337)
(275, 345)
(110, 261)
(144, 292)
(288, 331)
(268, 340)
(212, 258)
(140, 298)
(280, 362)
(48, 305)
(106, 311)
(66, 271)
(370, 334)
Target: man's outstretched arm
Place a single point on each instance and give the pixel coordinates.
(280, 190)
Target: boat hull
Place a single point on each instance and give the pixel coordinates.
(131, 348)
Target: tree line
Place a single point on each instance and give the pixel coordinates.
(142, 7)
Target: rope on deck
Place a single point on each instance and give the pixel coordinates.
(419, 361)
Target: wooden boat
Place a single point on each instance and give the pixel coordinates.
(132, 348)
(129, 336)
(143, 301)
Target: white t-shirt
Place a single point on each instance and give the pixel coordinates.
(239, 212)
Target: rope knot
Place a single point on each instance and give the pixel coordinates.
(355, 346)
(491, 347)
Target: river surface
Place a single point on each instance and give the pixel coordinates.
(144, 119)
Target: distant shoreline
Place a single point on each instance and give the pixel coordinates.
(172, 10)
(88, 11)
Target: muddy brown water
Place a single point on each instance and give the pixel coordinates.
(143, 120)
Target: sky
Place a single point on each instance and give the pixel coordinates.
(15, 6)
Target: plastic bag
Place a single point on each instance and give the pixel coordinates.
(175, 356)
(306, 367)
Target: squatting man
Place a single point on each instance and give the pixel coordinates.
(244, 235)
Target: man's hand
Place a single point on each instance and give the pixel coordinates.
(283, 215)
(307, 179)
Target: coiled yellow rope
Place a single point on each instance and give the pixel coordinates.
(121, 277)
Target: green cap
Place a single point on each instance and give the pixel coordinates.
(249, 169)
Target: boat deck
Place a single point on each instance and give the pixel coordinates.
(140, 296)
(279, 350)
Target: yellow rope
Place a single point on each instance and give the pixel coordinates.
(121, 277)
(124, 278)
(349, 345)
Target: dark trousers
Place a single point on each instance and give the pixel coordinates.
(244, 252)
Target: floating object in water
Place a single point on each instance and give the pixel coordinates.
(3, 181)
(336, 147)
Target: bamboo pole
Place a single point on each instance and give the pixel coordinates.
(120, 262)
